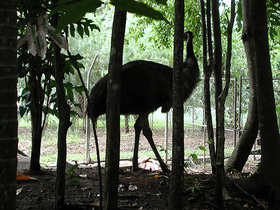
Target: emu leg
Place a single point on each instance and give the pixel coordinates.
(147, 132)
(136, 146)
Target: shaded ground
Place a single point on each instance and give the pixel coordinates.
(137, 190)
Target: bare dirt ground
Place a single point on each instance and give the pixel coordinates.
(145, 189)
(137, 190)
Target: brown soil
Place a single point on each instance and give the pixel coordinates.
(137, 190)
(145, 189)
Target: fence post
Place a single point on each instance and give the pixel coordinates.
(87, 158)
(166, 139)
(234, 110)
(240, 106)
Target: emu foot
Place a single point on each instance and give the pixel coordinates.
(149, 165)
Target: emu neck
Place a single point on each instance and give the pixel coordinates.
(190, 53)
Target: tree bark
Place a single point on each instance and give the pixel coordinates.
(36, 115)
(64, 124)
(8, 104)
(243, 148)
(217, 56)
(113, 112)
(221, 115)
(207, 70)
(266, 179)
(177, 174)
(219, 107)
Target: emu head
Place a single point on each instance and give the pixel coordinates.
(188, 35)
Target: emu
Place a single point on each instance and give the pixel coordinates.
(146, 86)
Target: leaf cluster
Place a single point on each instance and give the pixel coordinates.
(71, 177)
(74, 10)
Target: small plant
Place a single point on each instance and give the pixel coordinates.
(70, 176)
(232, 169)
(192, 183)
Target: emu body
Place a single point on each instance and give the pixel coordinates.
(145, 86)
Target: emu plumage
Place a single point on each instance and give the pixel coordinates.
(145, 86)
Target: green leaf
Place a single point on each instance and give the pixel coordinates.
(86, 30)
(69, 88)
(239, 10)
(76, 182)
(138, 8)
(79, 89)
(163, 2)
(80, 30)
(94, 26)
(202, 148)
(194, 157)
(72, 168)
(197, 188)
(74, 11)
(72, 30)
(231, 168)
(211, 141)
(58, 38)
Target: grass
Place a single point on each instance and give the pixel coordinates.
(76, 138)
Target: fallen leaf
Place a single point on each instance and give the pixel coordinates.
(19, 190)
(132, 187)
(83, 175)
(246, 205)
(22, 177)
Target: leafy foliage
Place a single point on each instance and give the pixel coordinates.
(73, 11)
(138, 8)
(70, 176)
(192, 183)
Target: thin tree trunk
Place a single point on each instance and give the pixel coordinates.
(36, 117)
(8, 104)
(126, 120)
(207, 70)
(221, 110)
(217, 57)
(177, 174)
(219, 107)
(113, 112)
(64, 124)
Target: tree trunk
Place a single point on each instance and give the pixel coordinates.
(243, 148)
(255, 38)
(36, 116)
(64, 124)
(219, 106)
(8, 104)
(113, 112)
(177, 174)
(217, 56)
(207, 70)
(221, 110)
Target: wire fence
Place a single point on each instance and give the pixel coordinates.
(195, 136)
(236, 109)
(194, 124)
